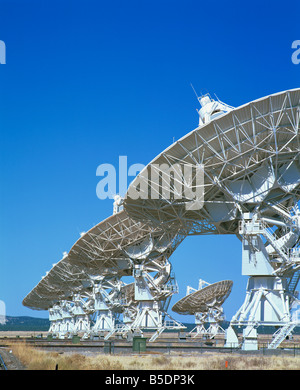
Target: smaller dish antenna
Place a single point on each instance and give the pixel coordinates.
(206, 305)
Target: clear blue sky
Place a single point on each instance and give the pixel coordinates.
(88, 81)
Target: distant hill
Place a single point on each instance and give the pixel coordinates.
(25, 323)
(43, 324)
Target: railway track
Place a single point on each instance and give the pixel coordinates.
(3, 366)
(8, 361)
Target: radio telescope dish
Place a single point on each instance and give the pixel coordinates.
(60, 283)
(206, 305)
(118, 241)
(249, 159)
(201, 301)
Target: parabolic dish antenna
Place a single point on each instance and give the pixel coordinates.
(249, 157)
(206, 305)
(61, 282)
(201, 301)
(116, 243)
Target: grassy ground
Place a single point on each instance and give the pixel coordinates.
(34, 359)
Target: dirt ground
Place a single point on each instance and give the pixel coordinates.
(11, 362)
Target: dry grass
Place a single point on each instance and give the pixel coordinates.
(35, 359)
